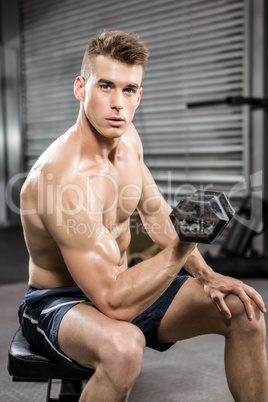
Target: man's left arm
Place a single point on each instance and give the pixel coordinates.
(154, 212)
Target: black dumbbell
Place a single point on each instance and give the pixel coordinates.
(201, 216)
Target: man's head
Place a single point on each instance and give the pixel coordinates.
(109, 86)
(123, 47)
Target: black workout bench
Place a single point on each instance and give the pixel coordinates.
(27, 364)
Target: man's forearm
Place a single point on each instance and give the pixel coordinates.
(195, 263)
(137, 288)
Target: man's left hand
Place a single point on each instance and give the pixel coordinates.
(219, 286)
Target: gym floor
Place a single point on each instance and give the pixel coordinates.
(192, 370)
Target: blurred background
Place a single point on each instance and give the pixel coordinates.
(199, 50)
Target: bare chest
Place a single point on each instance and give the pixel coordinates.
(115, 191)
(118, 194)
(122, 194)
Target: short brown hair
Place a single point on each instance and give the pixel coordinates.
(124, 47)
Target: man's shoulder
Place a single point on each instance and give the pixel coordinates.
(132, 138)
(132, 134)
(54, 166)
(58, 158)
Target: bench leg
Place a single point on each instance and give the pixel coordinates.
(48, 390)
(70, 391)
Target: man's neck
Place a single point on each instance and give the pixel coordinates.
(94, 146)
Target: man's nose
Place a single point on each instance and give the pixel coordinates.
(117, 100)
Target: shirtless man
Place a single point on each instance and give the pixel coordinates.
(83, 305)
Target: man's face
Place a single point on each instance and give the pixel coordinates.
(112, 94)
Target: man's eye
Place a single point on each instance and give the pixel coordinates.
(130, 90)
(106, 87)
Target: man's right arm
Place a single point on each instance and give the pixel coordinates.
(94, 263)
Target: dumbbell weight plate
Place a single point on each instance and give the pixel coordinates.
(202, 216)
(221, 197)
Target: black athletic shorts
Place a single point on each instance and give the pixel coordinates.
(41, 312)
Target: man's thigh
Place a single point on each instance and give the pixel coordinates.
(86, 335)
(190, 314)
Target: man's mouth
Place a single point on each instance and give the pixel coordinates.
(115, 121)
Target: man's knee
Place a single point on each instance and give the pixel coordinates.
(122, 356)
(128, 343)
(240, 320)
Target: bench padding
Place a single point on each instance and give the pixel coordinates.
(27, 363)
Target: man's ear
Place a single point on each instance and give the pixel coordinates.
(139, 98)
(79, 86)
